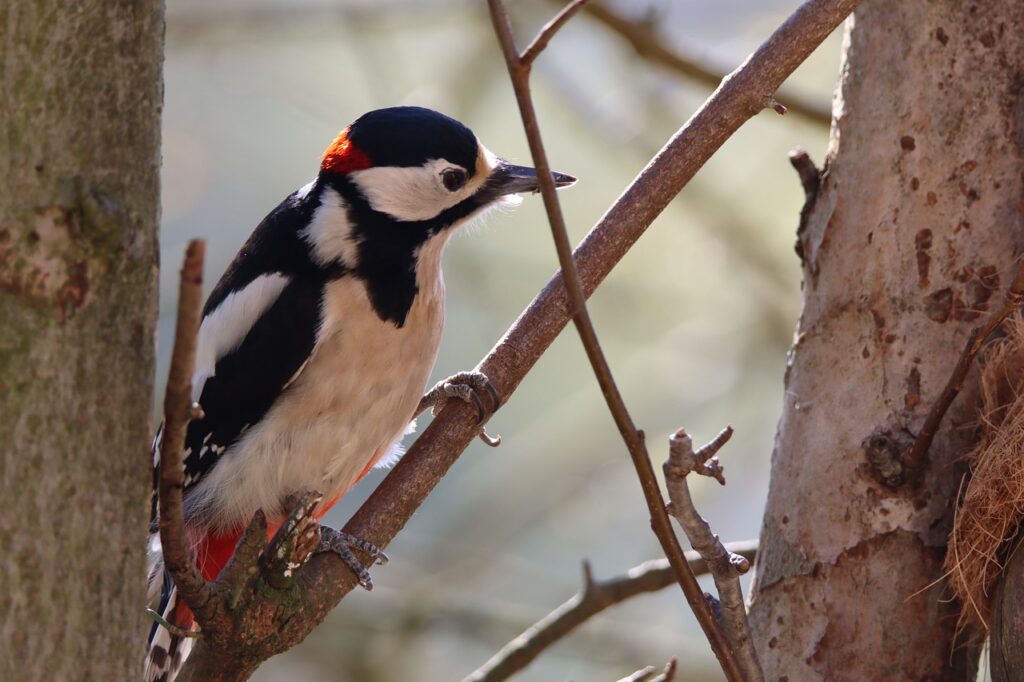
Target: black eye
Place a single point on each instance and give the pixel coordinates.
(453, 178)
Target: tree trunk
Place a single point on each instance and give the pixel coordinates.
(911, 239)
(80, 98)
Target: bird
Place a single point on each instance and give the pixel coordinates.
(316, 344)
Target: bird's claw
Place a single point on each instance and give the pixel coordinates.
(466, 386)
(342, 544)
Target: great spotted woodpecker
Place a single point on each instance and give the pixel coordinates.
(316, 344)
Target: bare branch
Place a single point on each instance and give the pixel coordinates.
(633, 439)
(916, 459)
(178, 409)
(725, 567)
(534, 49)
(595, 597)
(651, 47)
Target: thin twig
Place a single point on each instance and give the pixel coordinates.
(171, 627)
(177, 559)
(651, 674)
(548, 32)
(916, 458)
(725, 566)
(595, 597)
(651, 47)
(519, 73)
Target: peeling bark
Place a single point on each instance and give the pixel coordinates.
(912, 235)
(81, 91)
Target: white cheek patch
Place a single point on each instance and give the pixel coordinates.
(224, 329)
(330, 231)
(411, 194)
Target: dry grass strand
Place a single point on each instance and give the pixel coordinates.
(992, 505)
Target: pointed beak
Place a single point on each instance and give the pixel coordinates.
(509, 179)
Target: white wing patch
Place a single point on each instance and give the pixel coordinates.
(330, 232)
(224, 329)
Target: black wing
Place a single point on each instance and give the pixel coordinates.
(248, 379)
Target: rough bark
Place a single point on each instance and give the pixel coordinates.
(81, 91)
(912, 236)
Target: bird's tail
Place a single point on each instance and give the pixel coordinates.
(167, 652)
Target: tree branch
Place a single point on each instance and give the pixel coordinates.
(595, 597)
(534, 49)
(178, 408)
(916, 459)
(651, 47)
(519, 72)
(725, 566)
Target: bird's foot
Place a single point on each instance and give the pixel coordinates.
(342, 544)
(468, 387)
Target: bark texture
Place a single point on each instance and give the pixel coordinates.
(81, 92)
(913, 234)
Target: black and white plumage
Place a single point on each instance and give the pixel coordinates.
(316, 344)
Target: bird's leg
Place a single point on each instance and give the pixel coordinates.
(466, 386)
(342, 544)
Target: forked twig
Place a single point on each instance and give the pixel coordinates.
(725, 566)
(519, 72)
(593, 598)
(652, 674)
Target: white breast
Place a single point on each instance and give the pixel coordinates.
(345, 410)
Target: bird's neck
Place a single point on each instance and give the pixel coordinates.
(399, 263)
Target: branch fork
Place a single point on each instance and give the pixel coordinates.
(725, 567)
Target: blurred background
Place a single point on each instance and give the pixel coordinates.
(696, 321)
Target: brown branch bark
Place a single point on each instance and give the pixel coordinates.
(545, 35)
(726, 567)
(325, 580)
(519, 72)
(178, 561)
(651, 47)
(595, 597)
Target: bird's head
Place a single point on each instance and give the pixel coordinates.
(424, 169)
(392, 187)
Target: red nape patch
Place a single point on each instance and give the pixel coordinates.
(344, 157)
